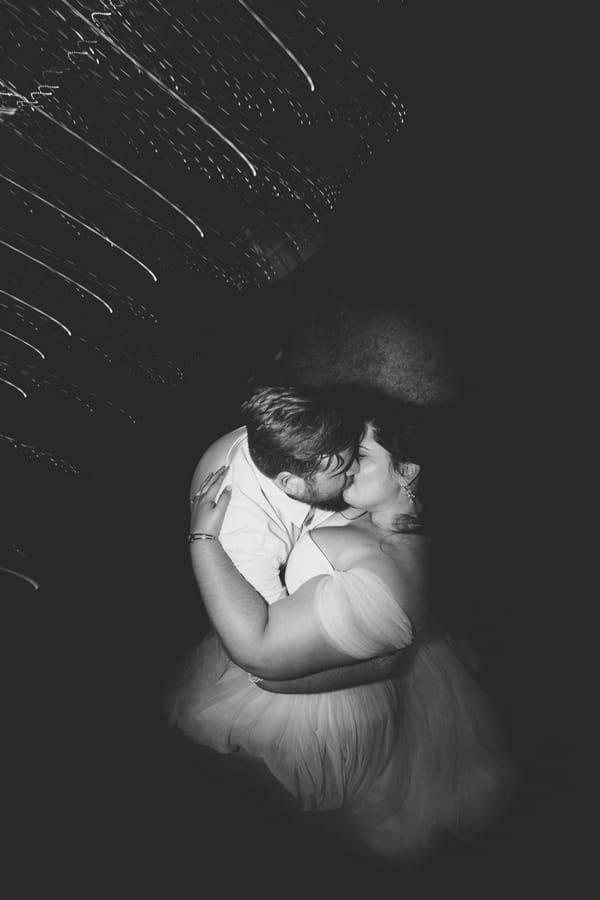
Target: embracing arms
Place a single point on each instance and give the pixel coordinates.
(367, 671)
(255, 554)
(277, 642)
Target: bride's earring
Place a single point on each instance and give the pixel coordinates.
(410, 494)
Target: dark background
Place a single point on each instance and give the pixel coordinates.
(433, 233)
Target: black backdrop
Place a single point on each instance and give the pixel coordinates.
(434, 223)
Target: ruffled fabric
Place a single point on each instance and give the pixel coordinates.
(360, 616)
(322, 752)
(404, 761)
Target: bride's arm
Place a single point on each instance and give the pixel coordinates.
(276, 642)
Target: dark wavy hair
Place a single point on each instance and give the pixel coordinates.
(437, 439)
(401, 429)
(299, 429)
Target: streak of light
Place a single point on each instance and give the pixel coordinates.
(311, 83)
(40, 311)
(123, 168)
(31, 452)
(83, 224)
(33, 583)
(27, 344)
(114, 162)
(160, 84)
(71, 53)
(62, 275)
(10, 384)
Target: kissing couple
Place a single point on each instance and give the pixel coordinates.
(310, 542)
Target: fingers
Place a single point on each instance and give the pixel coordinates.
(209, 478)
(214, 480)
(223, 501)
(210, 485)
(219, 471)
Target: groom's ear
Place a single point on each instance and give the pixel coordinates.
(292, 485)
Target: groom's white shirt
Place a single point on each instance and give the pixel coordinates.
(262, 523)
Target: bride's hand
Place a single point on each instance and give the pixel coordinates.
(207, 514)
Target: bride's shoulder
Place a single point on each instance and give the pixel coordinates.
(344, 546)
(359, 546)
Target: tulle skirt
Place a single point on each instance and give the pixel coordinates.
(404, 761)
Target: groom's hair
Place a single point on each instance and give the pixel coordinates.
(299, 429)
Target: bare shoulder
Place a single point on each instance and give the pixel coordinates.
(215, 456)
(344, 545)
(404, 570)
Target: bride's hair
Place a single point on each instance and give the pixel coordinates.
(399, 429)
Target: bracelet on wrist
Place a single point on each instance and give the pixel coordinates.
(202, 536)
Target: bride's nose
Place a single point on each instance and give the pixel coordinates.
(353, 469)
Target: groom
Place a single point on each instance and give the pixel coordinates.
(288, 468)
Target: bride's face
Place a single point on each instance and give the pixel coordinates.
(375, 484)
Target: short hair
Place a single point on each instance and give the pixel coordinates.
(298, 429)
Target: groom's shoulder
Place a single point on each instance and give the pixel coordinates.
(222, 449)
(221, 452)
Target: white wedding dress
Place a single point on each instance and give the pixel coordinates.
(404, 760)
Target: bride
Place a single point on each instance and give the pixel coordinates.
(405, 760)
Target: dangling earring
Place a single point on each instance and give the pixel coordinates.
(410, 494)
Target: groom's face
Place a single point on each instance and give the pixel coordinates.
(325, 488)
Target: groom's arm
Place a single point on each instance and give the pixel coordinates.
(366, 672)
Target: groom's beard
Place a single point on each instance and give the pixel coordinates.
(330, 504)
